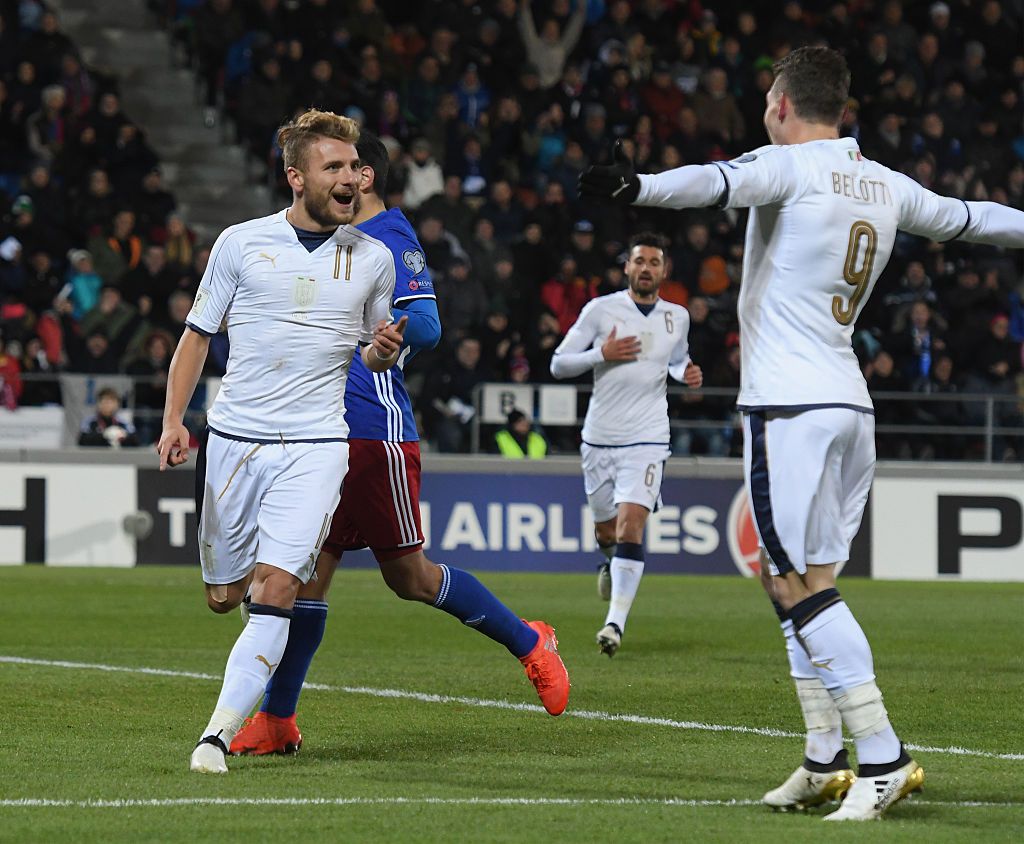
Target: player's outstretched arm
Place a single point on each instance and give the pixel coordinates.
(186, 367)
(692, 186)
(944, 218)
(382, 353)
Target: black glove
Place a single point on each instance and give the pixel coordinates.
(617, 182)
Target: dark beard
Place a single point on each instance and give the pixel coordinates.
(318, 211)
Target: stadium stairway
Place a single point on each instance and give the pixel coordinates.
(207, 173)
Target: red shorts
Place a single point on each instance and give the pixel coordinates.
(380, 501)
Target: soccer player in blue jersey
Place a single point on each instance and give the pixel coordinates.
(379, 505)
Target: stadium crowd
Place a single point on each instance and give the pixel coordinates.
(490, 111)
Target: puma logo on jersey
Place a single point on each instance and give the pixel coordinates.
(266, 662)
(271, 258)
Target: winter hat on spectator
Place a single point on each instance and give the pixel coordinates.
(583, 227)
(9, 248)
(937, 9)
(22, 204)
(713, 277)
(76, 255)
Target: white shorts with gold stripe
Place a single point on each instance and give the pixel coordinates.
(267, 503)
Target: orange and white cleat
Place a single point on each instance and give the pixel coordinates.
(546, 670)
(263, 734)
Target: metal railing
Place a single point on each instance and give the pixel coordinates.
(992, 423)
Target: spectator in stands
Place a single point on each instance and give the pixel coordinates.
(78, 85)
(45, 129)
(30, 232)
(996, 361)
(40, 386)
(119, 249)
(915, 346)
(150, 371)
(152, 278)
(81, 291)
(565, 293)
(423, 92)
(449, 206)
(10, 376)
(719, 114)
(462, 300)
(473, 97)
(947, 412)
(179, 246)
(663, 100)
(882, 377)
(519, 440)
(448, 397)
(91, 355)
(261, 102)
(504, 211)
(424, 177)
(115, 318)
(549, 48)
(153, 204)
(42, 284)
(47, 200)
(96, 206)
(218, 24)
(914, 286)
(970, 306)
(107, 427)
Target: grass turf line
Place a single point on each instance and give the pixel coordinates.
(698, 649)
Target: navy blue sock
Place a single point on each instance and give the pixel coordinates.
(304, 636)
(465, 597)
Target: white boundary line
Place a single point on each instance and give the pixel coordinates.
(643, 720)
(171, 802)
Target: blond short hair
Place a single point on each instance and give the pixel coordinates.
(296, 136)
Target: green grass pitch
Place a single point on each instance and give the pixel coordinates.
(698, 652)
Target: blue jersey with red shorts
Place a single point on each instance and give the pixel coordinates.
(380, 505)
(377, 406)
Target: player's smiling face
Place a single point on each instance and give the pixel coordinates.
(330, 183)
(645, 270)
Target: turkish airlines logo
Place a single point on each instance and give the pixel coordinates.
(744, 544)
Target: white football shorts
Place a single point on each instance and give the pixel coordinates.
(628, 474)
(267, 503)
(808, 475)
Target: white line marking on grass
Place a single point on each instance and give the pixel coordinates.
(423, 697)
(171, 802)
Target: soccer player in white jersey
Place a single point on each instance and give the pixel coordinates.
(298, 291)
(631, 339)
(821, 229)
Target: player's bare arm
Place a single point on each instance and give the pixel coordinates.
(186, 367)
(620, 349)
(381, 354)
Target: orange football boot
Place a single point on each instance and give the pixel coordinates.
(545, 669)
(264, 733)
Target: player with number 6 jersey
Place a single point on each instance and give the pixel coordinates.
(631, 339)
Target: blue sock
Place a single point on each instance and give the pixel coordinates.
(309, 618)
(465, 597)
